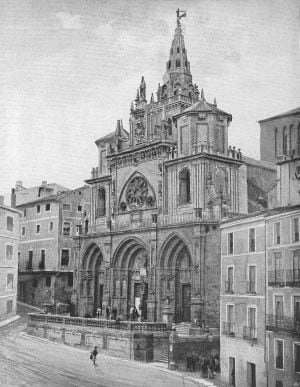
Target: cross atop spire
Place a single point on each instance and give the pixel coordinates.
(180, 14)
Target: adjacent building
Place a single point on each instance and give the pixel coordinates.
(261, 256)
(9, 236)
(50, 218)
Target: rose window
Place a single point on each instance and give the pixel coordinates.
(137, 192)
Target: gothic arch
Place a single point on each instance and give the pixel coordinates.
(126, 250)
(148, 197)
(91, 251)
(173, 244)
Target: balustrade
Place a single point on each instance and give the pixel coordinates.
(284, 278)
(283, 324)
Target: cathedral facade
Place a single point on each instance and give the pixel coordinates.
(157, 196)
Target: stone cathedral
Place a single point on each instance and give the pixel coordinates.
(158, 194)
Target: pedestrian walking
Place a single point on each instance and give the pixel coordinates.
(93, 356)
(107, 310)
(98, 312)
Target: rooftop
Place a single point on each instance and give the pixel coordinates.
(293, 112)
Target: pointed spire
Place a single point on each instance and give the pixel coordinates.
(143, 89)
(137, 96)
(118, 132)
(202, 95)
(152, 98)
(215, 101)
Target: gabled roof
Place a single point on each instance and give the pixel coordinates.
(112, 135)
(293, 112)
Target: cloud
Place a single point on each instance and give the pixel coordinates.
(68, 21)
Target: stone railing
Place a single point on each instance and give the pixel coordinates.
(94, 323)
(205, 216)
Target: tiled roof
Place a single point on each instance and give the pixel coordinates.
(203, 106)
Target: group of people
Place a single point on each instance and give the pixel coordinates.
(209, 365)
(112, 314)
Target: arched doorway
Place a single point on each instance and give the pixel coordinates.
(175, 278)
(130, 277)
(92, 280)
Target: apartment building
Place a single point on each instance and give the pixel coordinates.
(46, 249)
(283, 296)
(9, 235)
(243, 301)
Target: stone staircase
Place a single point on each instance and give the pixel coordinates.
(164, 358)
(183, 329)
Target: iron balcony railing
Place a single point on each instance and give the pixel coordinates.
(283, 324)
(283, 278)
(250, 333)
(229, 287)
(251, 289)
(228, 328)
(91, 322)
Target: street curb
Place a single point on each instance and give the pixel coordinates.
(9, 320)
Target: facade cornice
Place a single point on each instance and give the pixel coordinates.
(204, 156)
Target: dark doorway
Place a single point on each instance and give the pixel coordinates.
(186, 303)
(251, 375)
(232, 371)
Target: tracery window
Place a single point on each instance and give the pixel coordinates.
(137, 191)
(184, 186)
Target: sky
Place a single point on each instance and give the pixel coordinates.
(70, 69)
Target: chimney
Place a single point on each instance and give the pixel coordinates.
(19, 185)
(44, 182)
(1, 199)
(13, 198)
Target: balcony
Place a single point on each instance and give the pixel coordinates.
(281, 278)
(229, 287)
(283, 324)
(249, 333)
(251, 287)
(228, 328)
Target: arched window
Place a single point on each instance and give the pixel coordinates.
(177, 62)
(284, 141)
(178, 50)
(290, 140)
(169, 64)
(184, 186)
(100, 211)
(276, 142)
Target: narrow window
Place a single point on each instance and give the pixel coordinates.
(297, 313)
(279, 354)
(278, 268)
(229, 284)
(252, 240)
(38, 209)
(38, 228)
(178, 50)
(9, 306)
(278, 310)
(184, 187)
(65, 256)
(9, 252)
(23, 230)
(252, 279)
(230, 243)
(284, 141)
(252, 323)
(66, 207)
(277, 233)
(47, 207)
(177, 63)
(51, 226)
(230, 319)
(66, 229)
(42, 260)
(78, 229)
(10, 223)
(25, 213)
(79, 208)
(295, 229)
(101, 210)
(30, 258)
(70, 279)
(276, 142)
(297, 356)
(296, 267)
(48, 282)
(9, 282)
